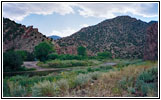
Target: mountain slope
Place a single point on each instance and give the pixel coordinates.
(123, 36)
(151, 47)
(20, 37)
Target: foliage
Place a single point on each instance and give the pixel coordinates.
(81, 51)
(64, 63)
(95, 81)
(16, 90)
(82, 79)
(53, 56)
(71, 57)
(63, 85)
(45, 88)
(148, 81)
(6, 89)
(26, 56)
(104, 55)
(11, 61)
(43, 50)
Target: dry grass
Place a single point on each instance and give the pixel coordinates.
(108, 84)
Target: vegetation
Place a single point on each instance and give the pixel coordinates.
(12, 61)
(43, 50)
(26, 56)
(81, 51)
(104, 55)
(90, 81)
(64, 63)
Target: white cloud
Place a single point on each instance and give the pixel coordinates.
(63, 33)
(110, 10)
(18, 11)
(84, 25)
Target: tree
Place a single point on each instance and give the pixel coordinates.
(26, 56)
(42, 50)
(104, 55)
(12, 61)
(81, 51)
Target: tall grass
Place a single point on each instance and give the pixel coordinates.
(65, 63)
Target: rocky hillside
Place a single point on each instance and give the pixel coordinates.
(151, 47)
(20, 37)
(123, 36)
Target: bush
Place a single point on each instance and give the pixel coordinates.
(81, 51)
(104, 55)
(30, 57)
(52, 56)
(16, 90)
(11, 61)
(43, 50)
(94, 75)
(6, 90)
(45, 88)
(64, 63)
(63, 85)
(82, 79)
(26, 56)
(148, 81)
(71, 57)
(22, 53)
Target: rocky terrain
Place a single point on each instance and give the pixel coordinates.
(123, 36)
(20, 37)
(151, 45)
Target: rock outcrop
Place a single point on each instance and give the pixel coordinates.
(20, 37)
(151, 45)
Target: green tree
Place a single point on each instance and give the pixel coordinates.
(81, 51)
(11, 61)
(26, 56)
(104, 55)
(42, 50)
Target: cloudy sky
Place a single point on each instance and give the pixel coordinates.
(63, 19)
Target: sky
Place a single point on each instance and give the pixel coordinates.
(65, 18)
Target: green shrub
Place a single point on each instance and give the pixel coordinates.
(16, 90)
(26, 56)
(81, 51)
(104, 55)
(64, 63)
(52, 56)
(131, 90)
(71, 57)
(42, 50)
(126, 82)
(63, 84)
(6, 89)
(11, 61)
(82, 79)
(22, 53)
(94, 75)
(45, 88)
(148, 81)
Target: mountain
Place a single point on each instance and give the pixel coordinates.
(151, 46)
(123, 36)
(20, 37)
(54, 37)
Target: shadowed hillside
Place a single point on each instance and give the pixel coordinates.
(123, 36)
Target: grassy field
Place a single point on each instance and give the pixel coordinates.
(128, 78)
